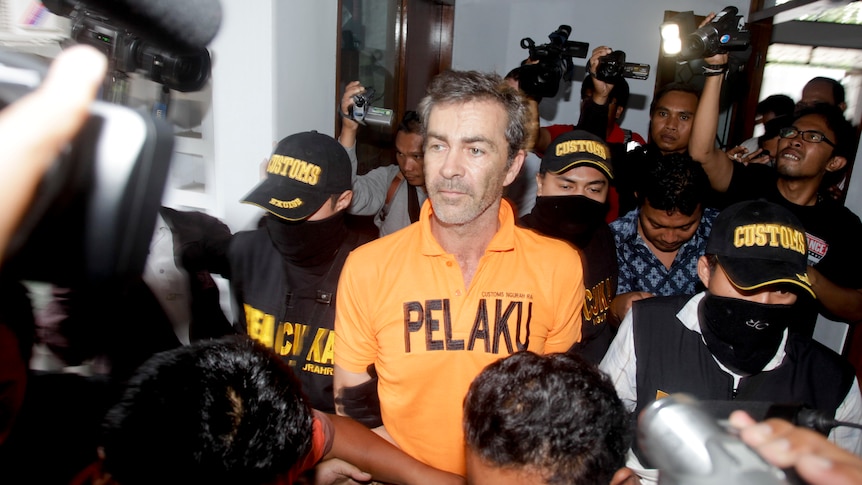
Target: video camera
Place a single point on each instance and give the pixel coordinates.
(725, 33)
(554, 62)
(363, 113)
(93, 213)
(613, 67)
(181, 68)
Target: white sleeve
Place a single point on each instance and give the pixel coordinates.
(620, 364)
(369, 190)
(849, 411)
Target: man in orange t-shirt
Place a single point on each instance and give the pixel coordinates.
(432, 304)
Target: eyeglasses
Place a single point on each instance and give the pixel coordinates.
(811, 136)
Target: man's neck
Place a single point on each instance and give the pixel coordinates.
(799, 191)
(467, 242)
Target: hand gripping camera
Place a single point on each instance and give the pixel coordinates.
(688, 447)
(542, 79)
(363, 113)
(613, 67)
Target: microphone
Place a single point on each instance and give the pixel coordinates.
(187, 24)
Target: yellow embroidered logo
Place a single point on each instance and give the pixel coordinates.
(659, 394)
(286, 204)
(804, 278)
(575, 146)
(293, 168)
(774, 235)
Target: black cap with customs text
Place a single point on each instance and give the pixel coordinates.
(304, 170)
(575, 148)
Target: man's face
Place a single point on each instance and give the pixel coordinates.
(466, 158)
(816, 92)
(582, 180)
(800, 159)
(667, 232)
(719, 284)
(408, 153)
(670, 123)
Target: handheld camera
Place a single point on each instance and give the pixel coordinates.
(725, 33)
(554, 62)
(363, 113)
(613, 67)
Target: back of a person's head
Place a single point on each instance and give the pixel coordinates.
(672, 182)
(673, 86)
(217, 411)
(845, 134)
(411, 123)
(555, 414)
(778, 104)
(838, 95)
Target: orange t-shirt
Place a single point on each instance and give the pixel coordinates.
(402, 305)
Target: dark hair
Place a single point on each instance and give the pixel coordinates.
(555, 413)
(773, 126)
(674, 86)
(619, 92)
(845, 134)
(837, 89)
(672, 182)
(411, 123)
(217, 411)
(515, 75)
(458, 87)
(779, 104)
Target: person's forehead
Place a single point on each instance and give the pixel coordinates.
(678, 101)
(818, 90)
(468, 120)
(672, 219)
(584, 174)
(408, 141)
(813, 122)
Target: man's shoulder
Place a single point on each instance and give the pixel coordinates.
(625, 226)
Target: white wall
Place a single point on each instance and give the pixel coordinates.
(273, 75)
(488, 34)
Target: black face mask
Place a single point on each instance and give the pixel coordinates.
(307, 243)
(570, 217)
(741, 334)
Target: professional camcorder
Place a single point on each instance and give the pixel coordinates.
(363, 113)
(93, 213)
(725, 33)
(613, 67)
(554, 62)
(176, 66)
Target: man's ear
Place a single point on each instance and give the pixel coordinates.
(619, 113)
(835, 163)
(344, 200)
(539, 179)
(625, 476)
(703, 271)
(514, 167)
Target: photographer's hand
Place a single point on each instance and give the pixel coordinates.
(601, 89)
(35, 129)
(349, 127)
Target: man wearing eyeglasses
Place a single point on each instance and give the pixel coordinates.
(819, 141)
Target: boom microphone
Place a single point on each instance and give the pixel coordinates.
(187, 24)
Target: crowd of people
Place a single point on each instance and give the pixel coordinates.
(473, 340)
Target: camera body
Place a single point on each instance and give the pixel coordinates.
(184, 70)
(613, 67)
(93, 213)
(363, 113)
(554, 62)
(721, 35)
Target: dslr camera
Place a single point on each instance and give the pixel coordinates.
(723, 34)
(554, 62)
(363, 113)
(613, 67)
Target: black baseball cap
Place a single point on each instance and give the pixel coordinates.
(575, 148)
(760, 243)
(304, 170)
